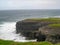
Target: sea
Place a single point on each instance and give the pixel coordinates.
(8, 19)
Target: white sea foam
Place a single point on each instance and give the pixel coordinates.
(7, 32)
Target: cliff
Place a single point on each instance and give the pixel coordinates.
(37, 28)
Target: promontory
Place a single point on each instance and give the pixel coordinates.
(42, 29)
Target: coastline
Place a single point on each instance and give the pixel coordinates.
(35, 28)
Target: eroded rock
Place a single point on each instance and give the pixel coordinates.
(39, 30)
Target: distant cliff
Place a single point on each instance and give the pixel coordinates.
(35, 28)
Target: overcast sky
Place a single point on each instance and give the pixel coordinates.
(29, 4)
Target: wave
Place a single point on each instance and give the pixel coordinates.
(7, 32)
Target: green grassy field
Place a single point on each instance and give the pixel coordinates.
(54, 25)
(45, 19)
(7, 42)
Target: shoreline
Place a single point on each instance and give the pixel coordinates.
(18, 35)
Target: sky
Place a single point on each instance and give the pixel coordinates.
(29, 4)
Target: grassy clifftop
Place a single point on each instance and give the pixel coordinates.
(54, 25)
(44, 19)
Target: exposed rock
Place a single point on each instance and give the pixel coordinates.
(52, 33)
(39, 29)
(27, 26)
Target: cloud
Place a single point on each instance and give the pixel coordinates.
(29, 4)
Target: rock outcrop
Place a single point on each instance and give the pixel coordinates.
(52, 33)
(29, 25)
(39, 29)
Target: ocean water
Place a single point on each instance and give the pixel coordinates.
(8, 19)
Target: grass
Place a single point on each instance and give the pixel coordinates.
(7, 42)
(45, 19)
(56, 21)
(54, 25)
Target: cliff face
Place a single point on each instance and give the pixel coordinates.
(39, 29)
(52, 33)
(28, 26)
